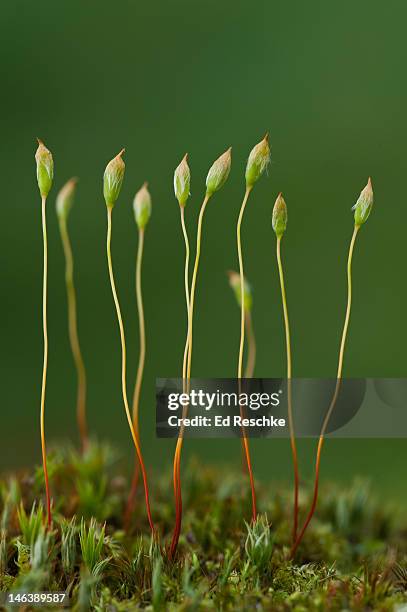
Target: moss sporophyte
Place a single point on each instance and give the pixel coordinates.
(182, 182)
(45, 175)
(112, 183)
(92, 538)
(216, 178)
(64, 204)
(257, 163)
(362, 210)
(279, 224)
(142, 212)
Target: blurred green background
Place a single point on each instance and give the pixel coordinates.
(162, 78)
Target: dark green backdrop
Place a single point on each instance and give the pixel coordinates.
(161, 78)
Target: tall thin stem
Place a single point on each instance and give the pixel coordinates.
(241, 273)
(188, 349)
(177, 455)
(132, 494)
(45, 361)
(193, 284)
(186, 282)
(335, 395)
(142, 332)
(123, 376)
(289, 385)
(249, 369)
(245, 440)
(251, 346)
(139, 376)
(73, 335)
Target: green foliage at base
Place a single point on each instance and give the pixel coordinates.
(353, 557)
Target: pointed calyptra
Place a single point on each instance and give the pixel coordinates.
(182, 180)
(219, 172)
(65, 198)
(279, 219)
(113, 179)
(142, 206)
(45, 169)
(258, 161)
(234, 281)
(364, 204)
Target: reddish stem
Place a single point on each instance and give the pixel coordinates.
(314, 499)
(132, 495)
(178, 499)
(251, 478)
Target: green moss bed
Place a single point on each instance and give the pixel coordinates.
(353, 557)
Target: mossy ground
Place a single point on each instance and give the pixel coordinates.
(354, 555)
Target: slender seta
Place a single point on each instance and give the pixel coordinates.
(112, 184)
(257, 163)
(63, 206)
(142, 214)
(45, 176)
(217, 176)
(279, 223)
(182, 181)
(362, 210)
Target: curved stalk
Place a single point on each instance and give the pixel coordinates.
(139, 376)
(123, 375)
(186, 282)
(132, 494)
(142, 332)
(335, 395)
(45, 360)
(241, 273)
(289, 385)
(193, 284)
(74, 337)
(251, 346)
(188, 361)
(249, 370)
(245, 440)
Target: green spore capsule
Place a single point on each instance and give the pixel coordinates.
(258, 161)
(142, 206)
(219, 172)
(45, 169)
(279, 219)
(182, 180)
(113, 179)
(364, 204)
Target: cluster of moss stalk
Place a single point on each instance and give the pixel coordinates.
(218, 174)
